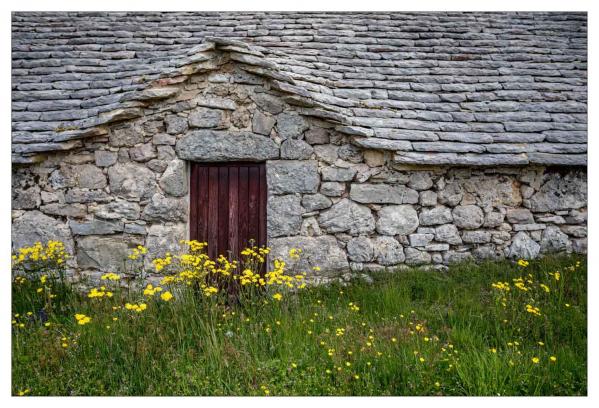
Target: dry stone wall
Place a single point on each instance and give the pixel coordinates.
(349, 207)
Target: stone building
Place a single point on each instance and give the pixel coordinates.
(369, 140)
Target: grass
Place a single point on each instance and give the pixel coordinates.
(407, 333)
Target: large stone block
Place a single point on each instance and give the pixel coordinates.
(450, 194)
(174, 179)
(388, 251)
(468, 216)
(322, 251)
(476, 237)
(332, 188)
(523, 247)
(314, 202)
(383, 194)
(397, 220)
(295, 149)
(360, 249)
(561, 192)
(164, 238)
(34, 226)
(519, 216)
(420, 181)
(105, 158)
(65, 210)
(96, 227)
(262, 124)
(347, 216)
(435, 216)
(126, 137)
(448, 233)
(554, 240)
(107, 254)
(291, 125)
(143, 152)
(338, 174)
(205, 118)
(24, 199)
(83, 176)
(417, 257)
(284, 215)
(175, 124)
(495, 191)
(117, 209)
(162, 208)
(218, 146)
(132, 180)
(292, 176)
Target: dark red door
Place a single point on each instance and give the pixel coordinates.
(228, 206)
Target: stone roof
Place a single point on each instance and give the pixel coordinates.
(451, 88)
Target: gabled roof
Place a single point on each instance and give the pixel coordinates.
(435, 88)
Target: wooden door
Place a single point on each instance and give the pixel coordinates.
(228, 206)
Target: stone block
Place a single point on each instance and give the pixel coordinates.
(397, 220)
(383, 194)
(284, 215)
(348, 216)
(292, 176)
(435, 216)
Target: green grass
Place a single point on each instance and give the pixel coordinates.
(196, 347)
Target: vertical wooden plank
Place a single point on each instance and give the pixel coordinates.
(243, 207)
(193, 201)
(212, 219)
(233, 238)
(253, 204)
(203, 200)
(262, 205)
(223, 210)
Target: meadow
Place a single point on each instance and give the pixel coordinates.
(214, 327)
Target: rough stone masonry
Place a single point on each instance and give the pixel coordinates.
(361, 178)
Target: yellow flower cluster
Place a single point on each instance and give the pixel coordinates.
(99, 293)
(256, 253)
(166, 296)
(20, 280)
(151, 290)
(520, 284)
(353, 307)
(82, 319)
(295, 253)
(137, 252)
(161, 263)
(533, 310)
(209, 291)
(194, 246)
(110, 276)
(277, 276)
(523, 263)
(136, 307)
(503, 286)
(53, 251)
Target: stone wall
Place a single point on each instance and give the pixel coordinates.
(350, 208)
